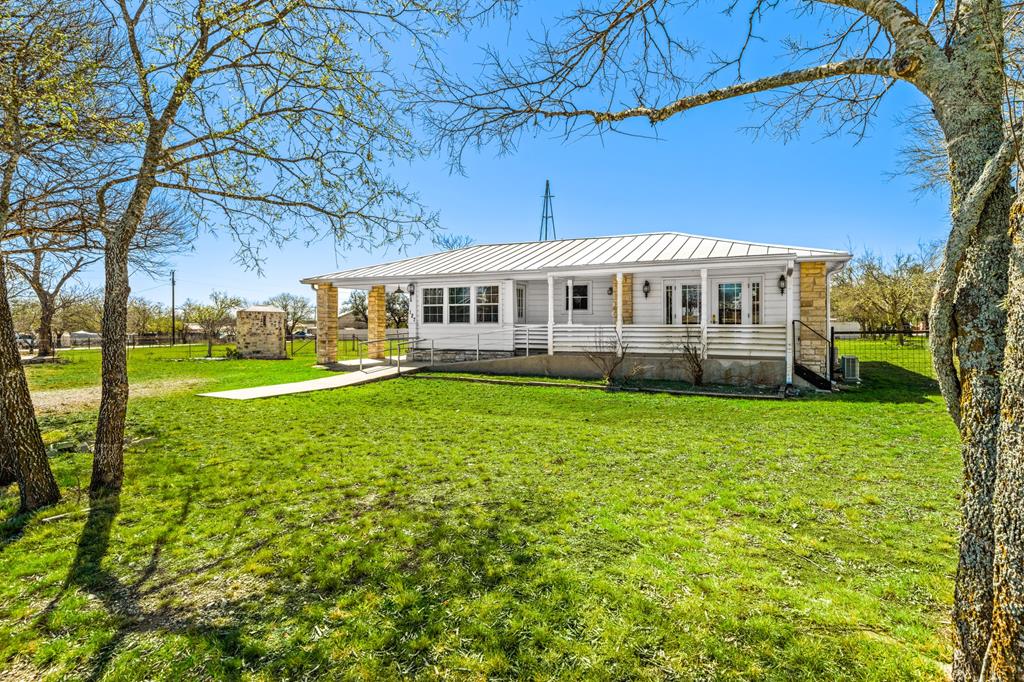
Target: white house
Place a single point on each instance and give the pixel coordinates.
(758, 312)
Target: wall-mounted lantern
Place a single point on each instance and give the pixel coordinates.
(647, 288)
(782, 284)
(412, 289)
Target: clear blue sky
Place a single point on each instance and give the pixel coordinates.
(704, 175)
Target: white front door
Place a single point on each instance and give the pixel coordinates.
(681, 301)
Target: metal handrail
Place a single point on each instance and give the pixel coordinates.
(410, 342)
(828, 343)
(360, 343)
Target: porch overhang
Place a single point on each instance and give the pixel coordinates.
(833, 263)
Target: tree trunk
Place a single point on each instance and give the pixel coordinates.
(968, 104)
(8, 468)
(45, 326)
(36, 484)
(1006, 650)
(209, 346)
(108, 458)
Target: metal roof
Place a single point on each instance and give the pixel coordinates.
(586, 253)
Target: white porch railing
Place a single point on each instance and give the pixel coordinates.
(753, 341)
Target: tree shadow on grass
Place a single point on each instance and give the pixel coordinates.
(458, 554)
(384, 583)
(13, 527)
(123, 600)
(884, 382)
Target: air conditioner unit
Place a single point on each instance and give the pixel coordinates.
(851, 369)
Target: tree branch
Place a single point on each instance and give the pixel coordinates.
(851, 67)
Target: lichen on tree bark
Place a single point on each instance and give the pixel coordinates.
(1006, 650)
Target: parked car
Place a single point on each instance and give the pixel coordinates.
(25, 341)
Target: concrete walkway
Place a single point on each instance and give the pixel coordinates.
(341, 380)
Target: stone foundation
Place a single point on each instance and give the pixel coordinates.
(729, 371)
(447, 355)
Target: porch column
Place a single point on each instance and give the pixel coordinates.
(705, 311)
(376, 321)
(813, 313)
(326, 324)
(790, 268)
(551, 315)
(625, 301)
(618, 313)
(568, 300)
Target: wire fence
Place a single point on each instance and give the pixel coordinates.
(888, 355)
(194, 346)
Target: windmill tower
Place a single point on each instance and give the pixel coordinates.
(547, 219)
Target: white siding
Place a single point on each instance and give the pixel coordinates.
(600, 302)
(648, 314)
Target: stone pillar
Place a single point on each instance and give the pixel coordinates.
(627, 298)
(376, 321)
(326, 324)
(813, 350)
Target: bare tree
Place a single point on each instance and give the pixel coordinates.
(212, 317)
(78, 307)
(608, 355)
(279, 118)
(296, 309)
(447, 241)
(693, 351)
(142, 314)
(47, 271)
(886, 294)
(636, 52)
(50, 64)
(396, 308)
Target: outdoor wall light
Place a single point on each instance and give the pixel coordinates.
(782, 284)
(412, 289)
(647, 288)
(611, 290)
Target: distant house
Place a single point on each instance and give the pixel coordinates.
(755, 312)
(348, 320)
(79, 338)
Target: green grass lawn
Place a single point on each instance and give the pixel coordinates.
(456, 530)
